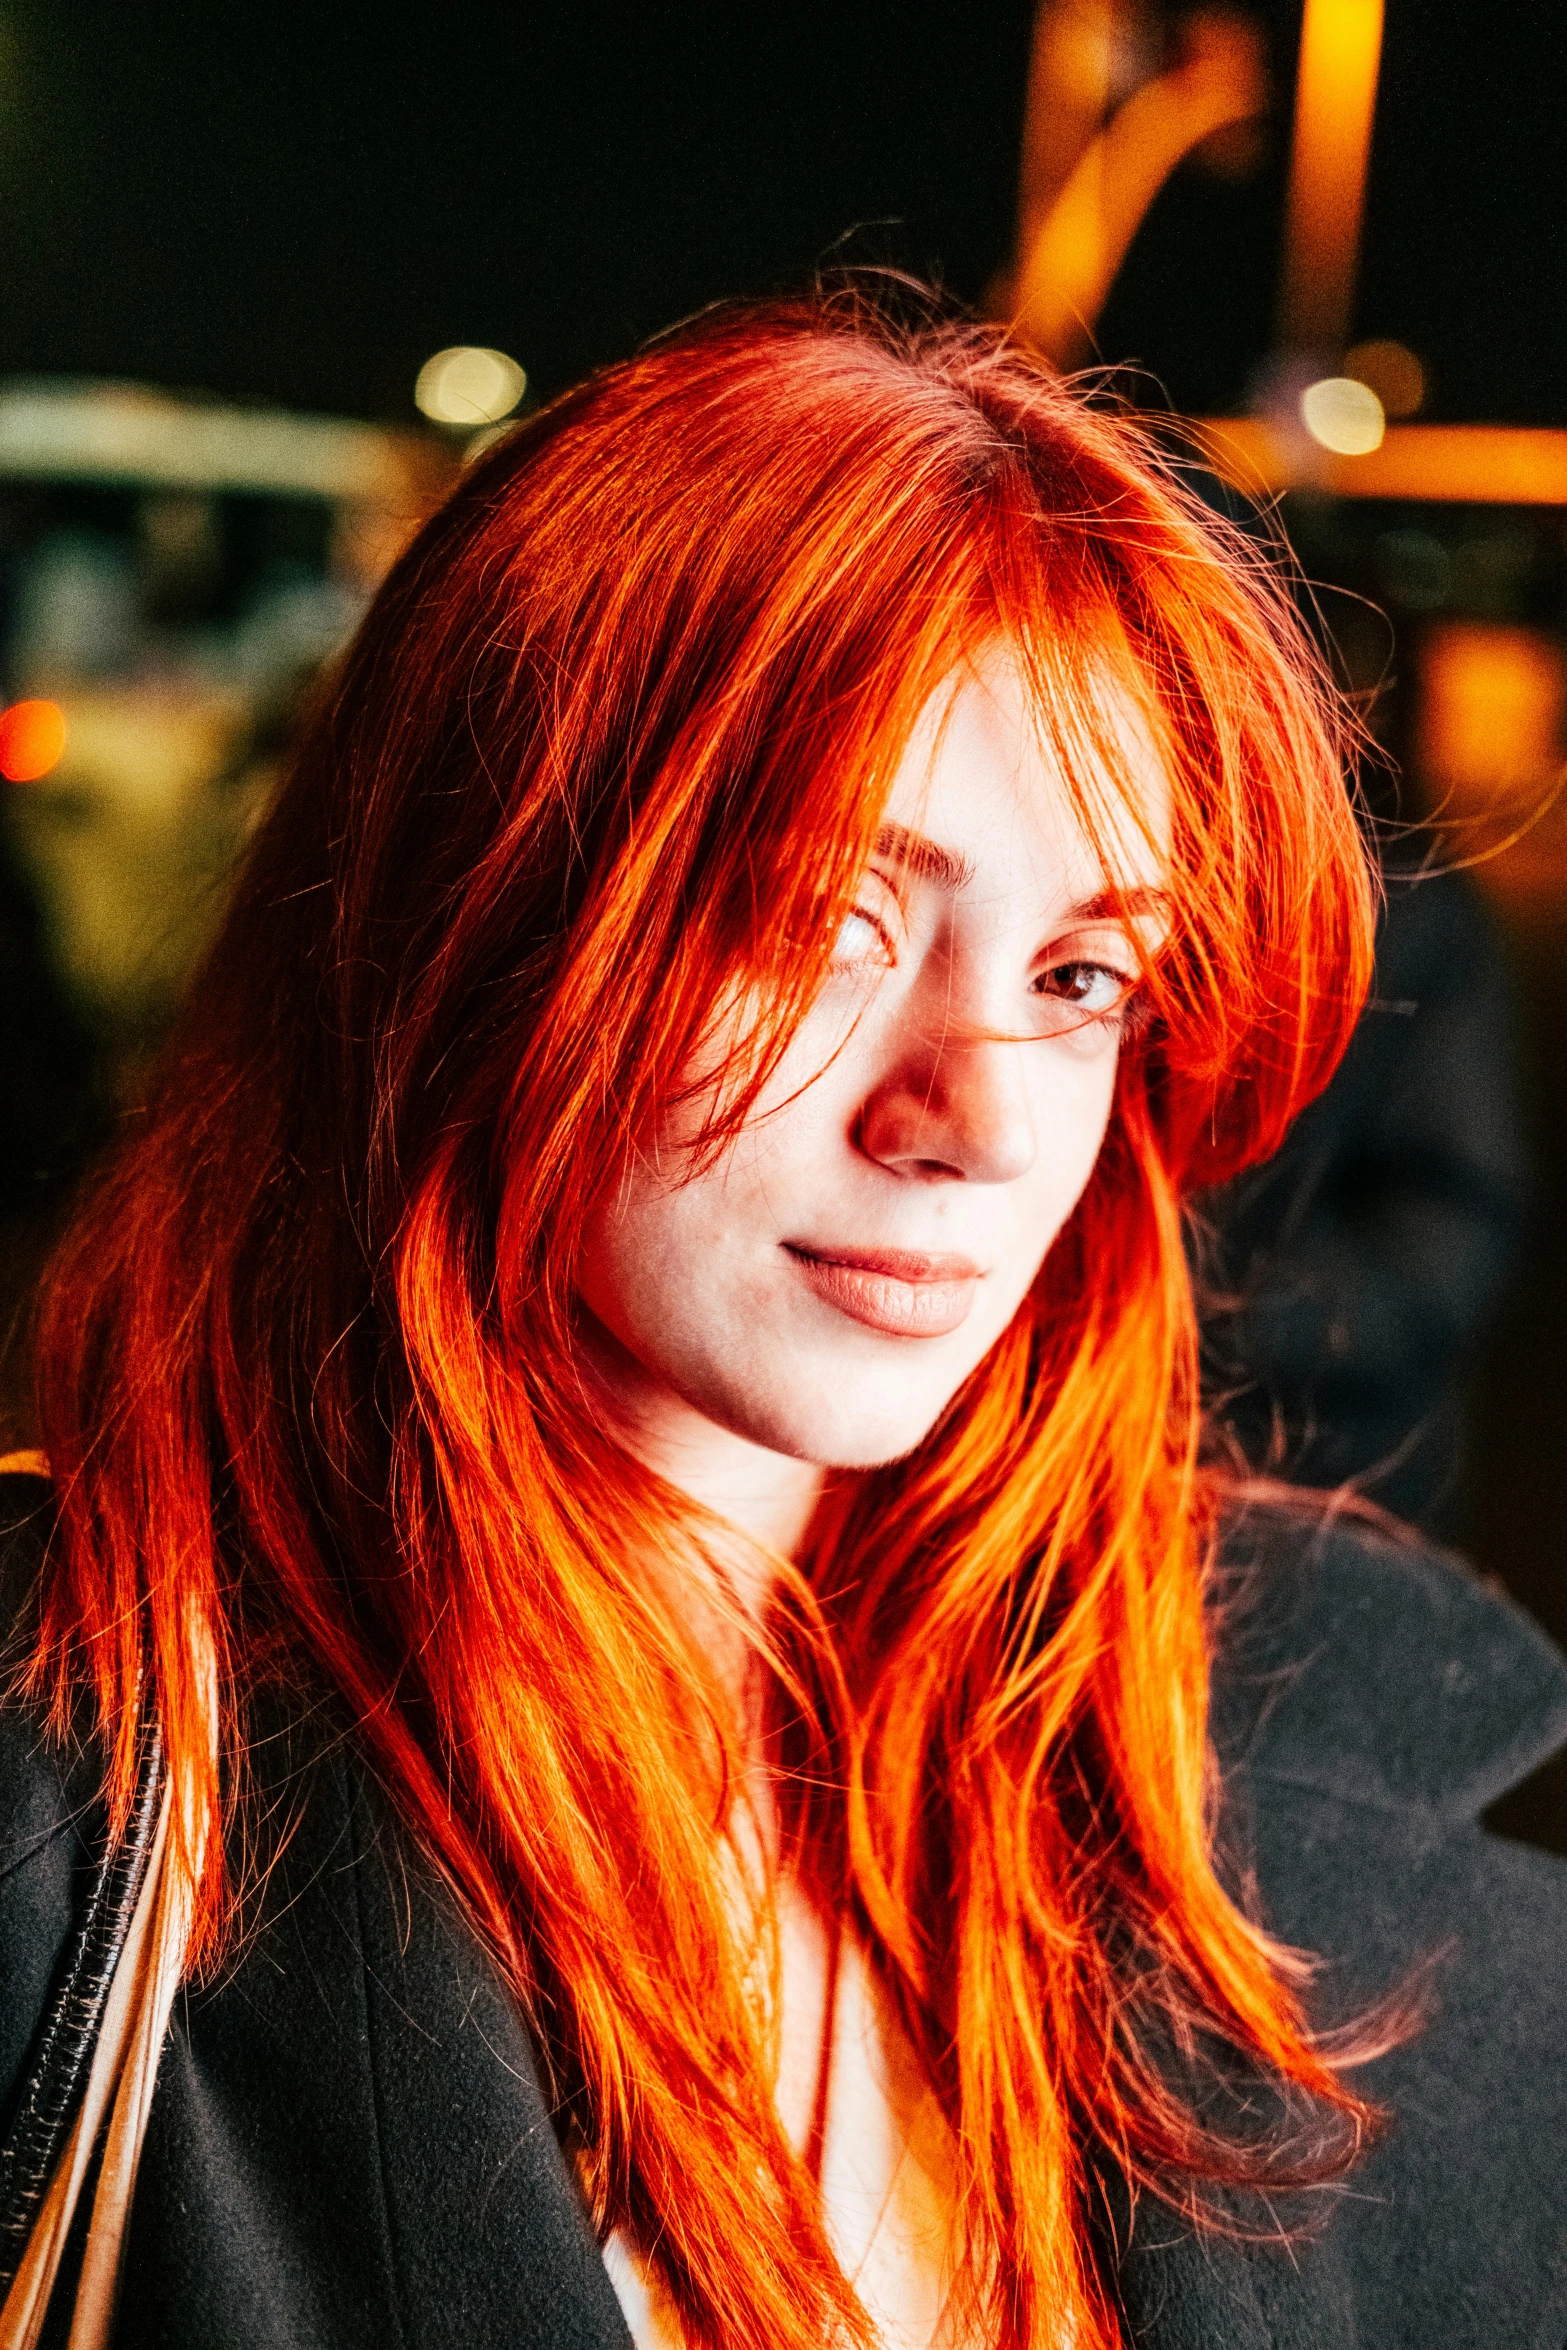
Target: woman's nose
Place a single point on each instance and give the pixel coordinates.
(959, 1112)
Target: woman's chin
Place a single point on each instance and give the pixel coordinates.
(845, 1431)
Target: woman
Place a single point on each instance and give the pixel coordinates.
(630, 1415)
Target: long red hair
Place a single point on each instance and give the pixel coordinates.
(616, 731)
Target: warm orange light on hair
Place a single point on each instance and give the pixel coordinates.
(32, 737)
(616, 736)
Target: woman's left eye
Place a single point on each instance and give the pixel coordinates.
(1091, 988)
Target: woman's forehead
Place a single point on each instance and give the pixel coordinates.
(989, 781)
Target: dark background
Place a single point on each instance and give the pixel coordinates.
(302, 203)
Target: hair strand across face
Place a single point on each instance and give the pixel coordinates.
(612, 745)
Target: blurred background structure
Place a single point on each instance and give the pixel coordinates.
(267, 273)
(173, 575)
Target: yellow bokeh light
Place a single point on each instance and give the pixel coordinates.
(1343, 415)
(1392, 371)
(469, 385)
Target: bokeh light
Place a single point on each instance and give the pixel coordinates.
(1335, 103)
(1393, 373)
(469, 385)
(1343, 415)
(1491, 712)
(32, 736)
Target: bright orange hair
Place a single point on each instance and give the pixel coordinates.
(618, 730)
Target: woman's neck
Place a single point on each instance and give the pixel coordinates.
(766, 1500)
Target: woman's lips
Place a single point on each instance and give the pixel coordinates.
(898, 1291)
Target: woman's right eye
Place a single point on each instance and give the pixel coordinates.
(861, 940)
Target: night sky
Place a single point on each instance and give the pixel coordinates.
(301, 203)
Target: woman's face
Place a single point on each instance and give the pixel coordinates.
(826, 1286)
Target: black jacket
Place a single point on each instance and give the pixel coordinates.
(348, 2149)
(1367, 1257)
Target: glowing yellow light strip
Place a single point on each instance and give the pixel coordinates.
(1455, 464)
(1335, 98)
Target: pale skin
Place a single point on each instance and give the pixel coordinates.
(814, 1299)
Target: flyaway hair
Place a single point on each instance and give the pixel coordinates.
(609, 753)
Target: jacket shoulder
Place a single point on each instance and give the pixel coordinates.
(1371, 1698)
(1376, 1670)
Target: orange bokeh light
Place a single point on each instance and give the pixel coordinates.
(32, 736)
(1492, 706)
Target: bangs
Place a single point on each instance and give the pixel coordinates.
(603, 767)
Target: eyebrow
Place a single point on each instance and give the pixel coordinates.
(927, 860)
(1123, 905)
